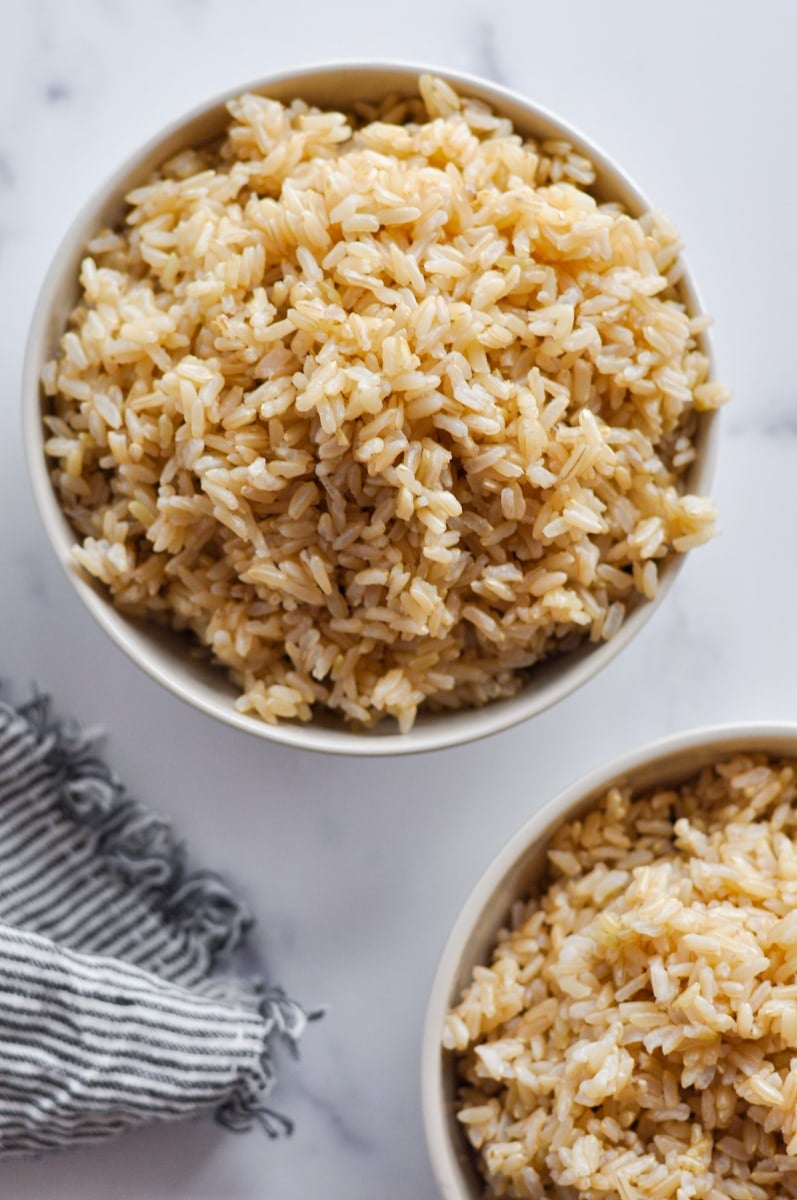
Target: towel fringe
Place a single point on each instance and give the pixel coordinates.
(136, 843)
(239, 1116)
(199, 905)
(286, 1020)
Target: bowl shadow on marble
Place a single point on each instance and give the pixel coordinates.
(172, 659)
(515, 874)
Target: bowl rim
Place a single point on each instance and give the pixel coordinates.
(724, 737)
(431, 731)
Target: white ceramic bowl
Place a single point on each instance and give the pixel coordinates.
(165, 657)
(514, 875)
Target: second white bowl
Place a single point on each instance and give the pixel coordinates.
(515, 875)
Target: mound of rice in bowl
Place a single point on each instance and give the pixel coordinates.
(382, 409)
(635, 1035)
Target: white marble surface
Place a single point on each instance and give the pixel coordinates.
(357, 869)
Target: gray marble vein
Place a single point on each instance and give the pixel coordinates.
(486, 58)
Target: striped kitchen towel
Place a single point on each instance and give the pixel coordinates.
(119, 1001)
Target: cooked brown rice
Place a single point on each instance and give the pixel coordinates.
(636, 1032)
(383, 409)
